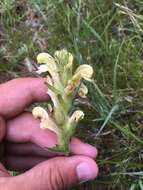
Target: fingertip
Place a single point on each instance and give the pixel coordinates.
(85, 168)
(80, 148)
(38, 89)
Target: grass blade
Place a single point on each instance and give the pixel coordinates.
(115, 72)
(93, 31)
(109, 116)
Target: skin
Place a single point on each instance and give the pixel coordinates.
(25, 145)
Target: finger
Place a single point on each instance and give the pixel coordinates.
(17, 94)
(2, 128)
(25, 128)
(3, 171)
(56, 174)
(78, 147)
(27, 149)
(20, 163)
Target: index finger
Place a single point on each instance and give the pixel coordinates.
(17, 94)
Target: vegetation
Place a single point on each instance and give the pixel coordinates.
(107, 35)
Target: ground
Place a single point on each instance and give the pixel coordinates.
(107, 35)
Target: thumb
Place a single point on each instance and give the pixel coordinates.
(56, 174)
(3, 171)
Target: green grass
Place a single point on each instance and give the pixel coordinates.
(109, 36)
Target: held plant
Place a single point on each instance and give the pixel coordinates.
(63, 85)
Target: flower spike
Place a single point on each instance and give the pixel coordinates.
(62, 86)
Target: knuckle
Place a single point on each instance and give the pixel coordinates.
(56, 178)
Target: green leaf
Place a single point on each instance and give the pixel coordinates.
(55, 90)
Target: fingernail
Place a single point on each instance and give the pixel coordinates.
(85, 172)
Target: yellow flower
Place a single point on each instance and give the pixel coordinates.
(45, 58)
(49, 124)
(48, 64)
(72, 84)
(46, 121)
(50, 67)
(76, 116)
(85, 70)
(39, 112)
(83, 90)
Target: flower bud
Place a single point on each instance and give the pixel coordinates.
(64, 57)
(77, 116)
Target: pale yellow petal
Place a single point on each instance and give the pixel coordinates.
(48, 61)
(83, 90)
(44, 58)
(49, 124)
(72, 84)
(39, 112)
(42, 69)
(85, 70)
(77, 116)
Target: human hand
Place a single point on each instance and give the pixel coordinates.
(24, 144)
